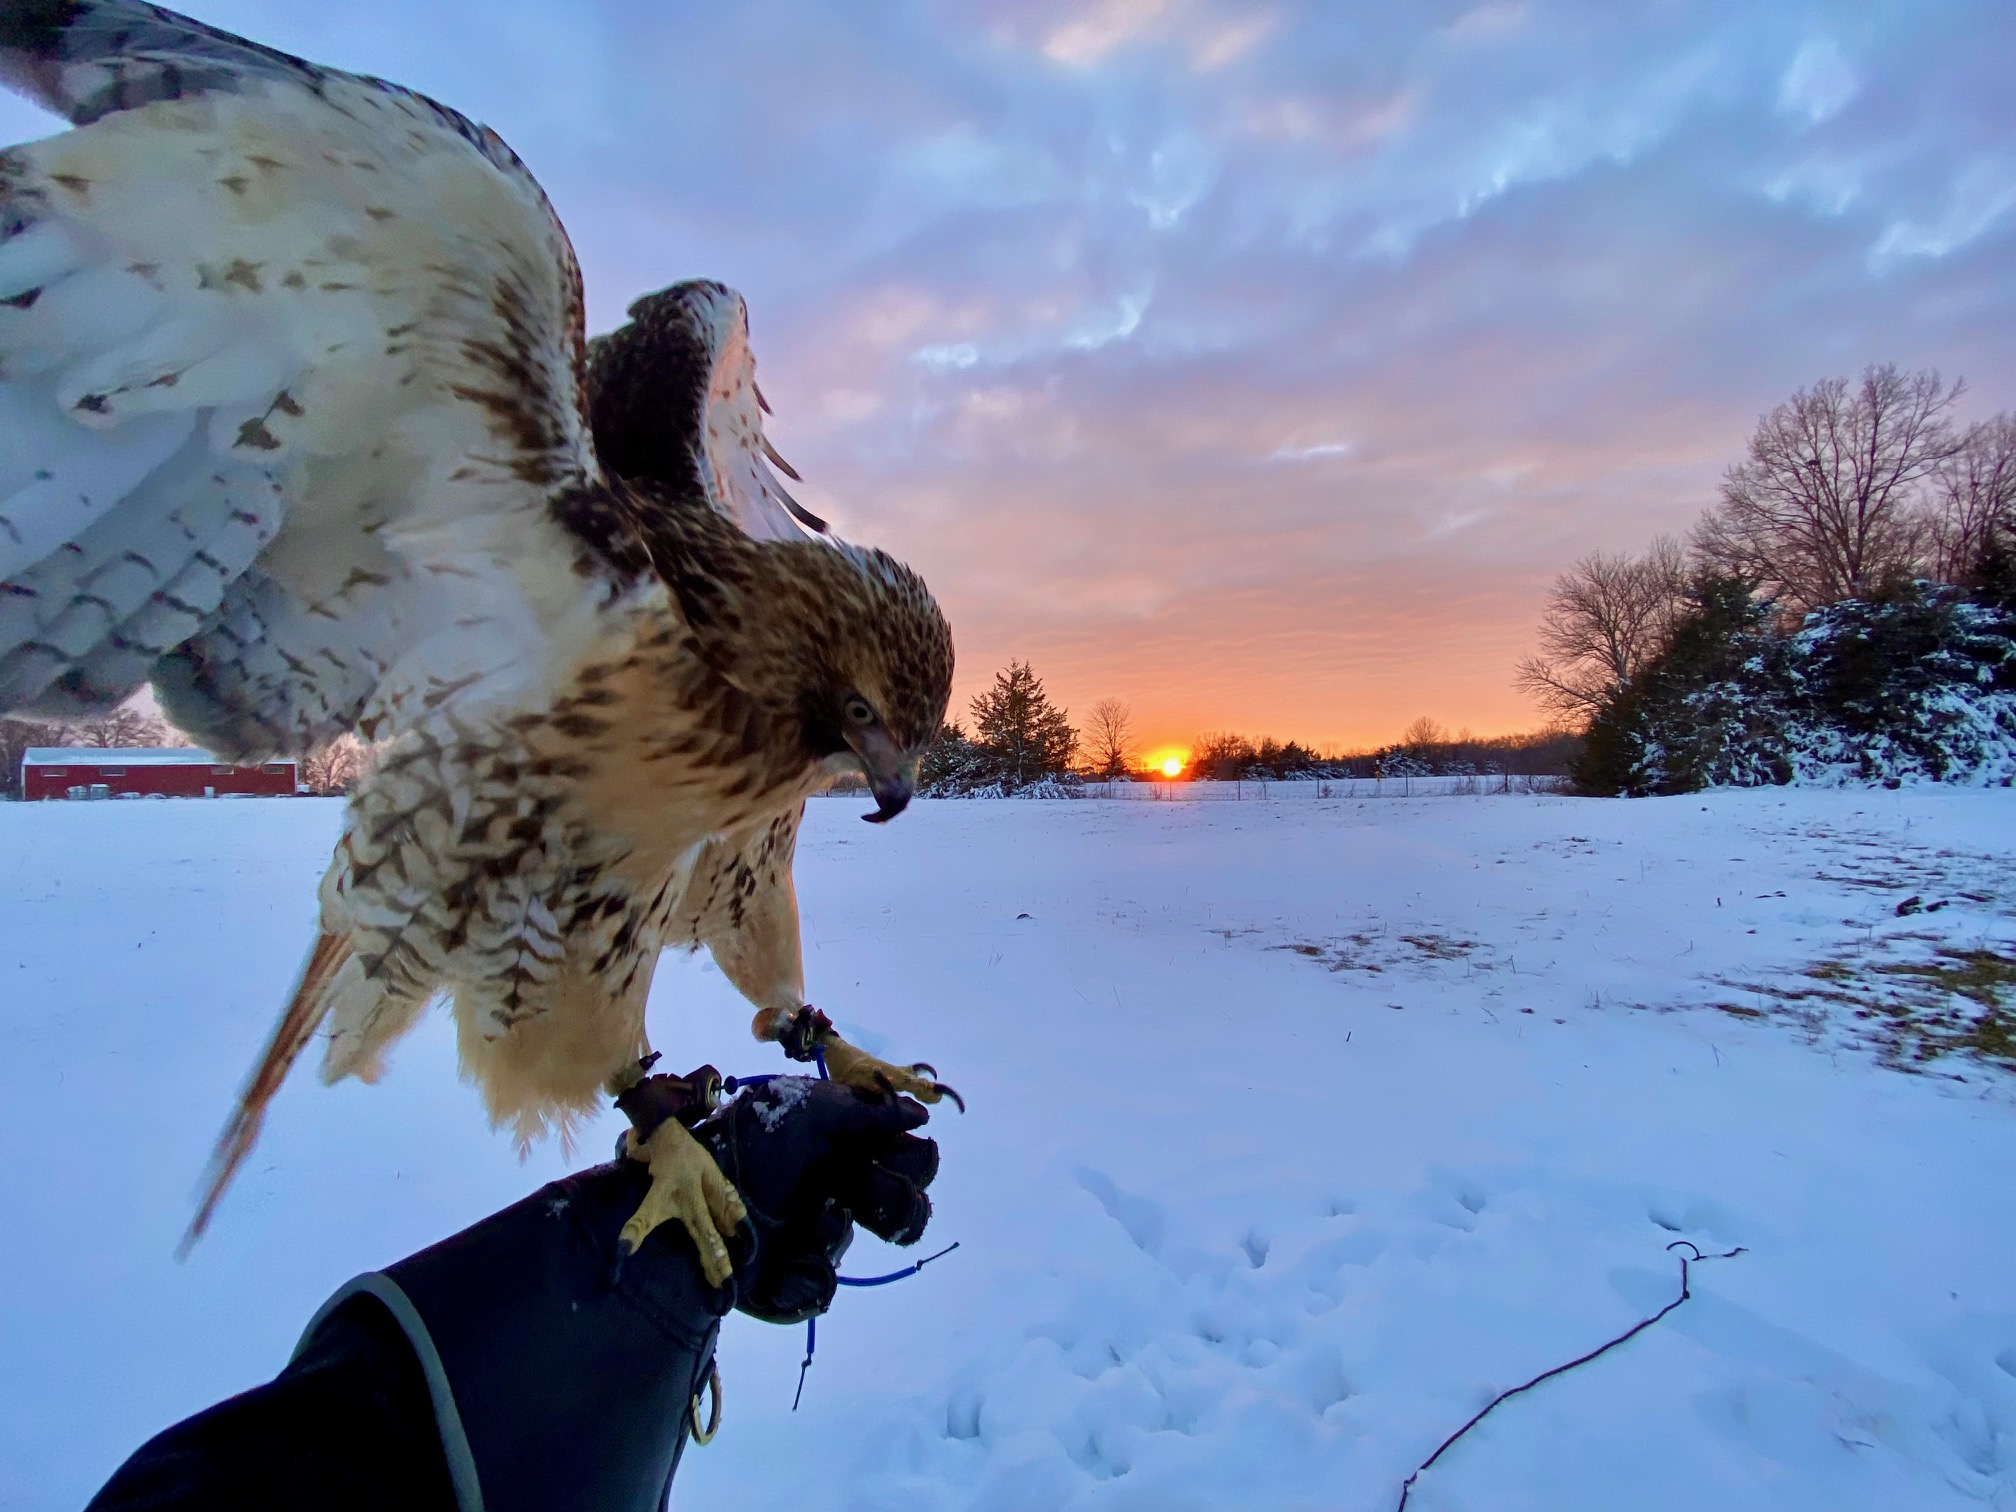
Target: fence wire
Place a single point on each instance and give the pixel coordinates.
(1266, 791)
(1271, 791)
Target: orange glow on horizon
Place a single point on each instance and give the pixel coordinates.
(1169, 763)
(1291, 673)
(1172, 767)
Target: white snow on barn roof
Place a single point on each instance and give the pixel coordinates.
(127, 756)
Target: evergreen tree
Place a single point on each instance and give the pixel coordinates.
(952, 765)
(1668, 731)
(1024, 736)
(1992, 582)
(1915, 681)
(1221, 756)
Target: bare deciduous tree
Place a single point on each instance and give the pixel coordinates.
(125, 726)
(16, 736)
(1108, 738)
(1423, 735)
(1826, 505)
(330, 771)
(1606, 618)
(1973, 498)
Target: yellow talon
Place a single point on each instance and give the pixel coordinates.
(688, 1186)
(857, 1068)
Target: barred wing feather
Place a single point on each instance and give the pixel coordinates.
(290, 380)
(672, 399)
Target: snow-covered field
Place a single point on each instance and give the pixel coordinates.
(1297, 1132)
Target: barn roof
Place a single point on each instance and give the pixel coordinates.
(126, 756)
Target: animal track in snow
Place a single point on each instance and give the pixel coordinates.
(1143, 1220)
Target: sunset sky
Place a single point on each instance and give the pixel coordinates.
(1260, 364)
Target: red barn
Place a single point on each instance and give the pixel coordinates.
(147, 771)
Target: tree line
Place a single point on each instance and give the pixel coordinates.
(1864, 534)
(1019, 739)
(1424, 749)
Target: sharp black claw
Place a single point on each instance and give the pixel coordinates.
(624, 1251)
(945, 1091)
(923, 1068)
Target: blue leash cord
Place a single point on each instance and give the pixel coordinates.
(812, 1324)
(732, 1084)
(897, 1275)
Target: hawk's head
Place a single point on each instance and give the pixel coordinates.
(840, 644)
(872, 691)
(843, 651)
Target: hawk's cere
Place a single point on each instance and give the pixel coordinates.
(300, 427)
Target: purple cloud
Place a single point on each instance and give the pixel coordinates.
(1260, 365)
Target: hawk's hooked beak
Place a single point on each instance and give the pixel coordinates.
(892, 776)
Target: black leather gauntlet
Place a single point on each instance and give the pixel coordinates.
(551, 1378)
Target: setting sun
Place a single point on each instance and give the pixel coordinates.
(1172, 766)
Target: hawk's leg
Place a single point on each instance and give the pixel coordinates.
(686, 1185)
(809, 1028)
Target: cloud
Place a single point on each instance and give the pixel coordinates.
(1261, 364)
(1312, 452)
(1103, 28)
(1818, 83)
(1980, 196)
(1088, 36)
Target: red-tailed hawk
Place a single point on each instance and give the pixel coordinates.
(300, 428)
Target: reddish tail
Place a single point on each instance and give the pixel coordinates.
(297, 1026)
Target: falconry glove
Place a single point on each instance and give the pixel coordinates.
(812, 1159)
(552, 1376)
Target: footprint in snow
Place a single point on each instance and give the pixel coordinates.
(1144, 1221)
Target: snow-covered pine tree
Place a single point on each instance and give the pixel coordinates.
(953, 766)
(1915, 682)
(1024, 736)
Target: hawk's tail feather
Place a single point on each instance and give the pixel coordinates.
(305, 1011)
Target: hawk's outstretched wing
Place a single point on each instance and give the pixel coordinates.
(290, 372)
(697, 426)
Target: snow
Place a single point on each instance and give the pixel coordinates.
(1297, 1132)
(786, 1093)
